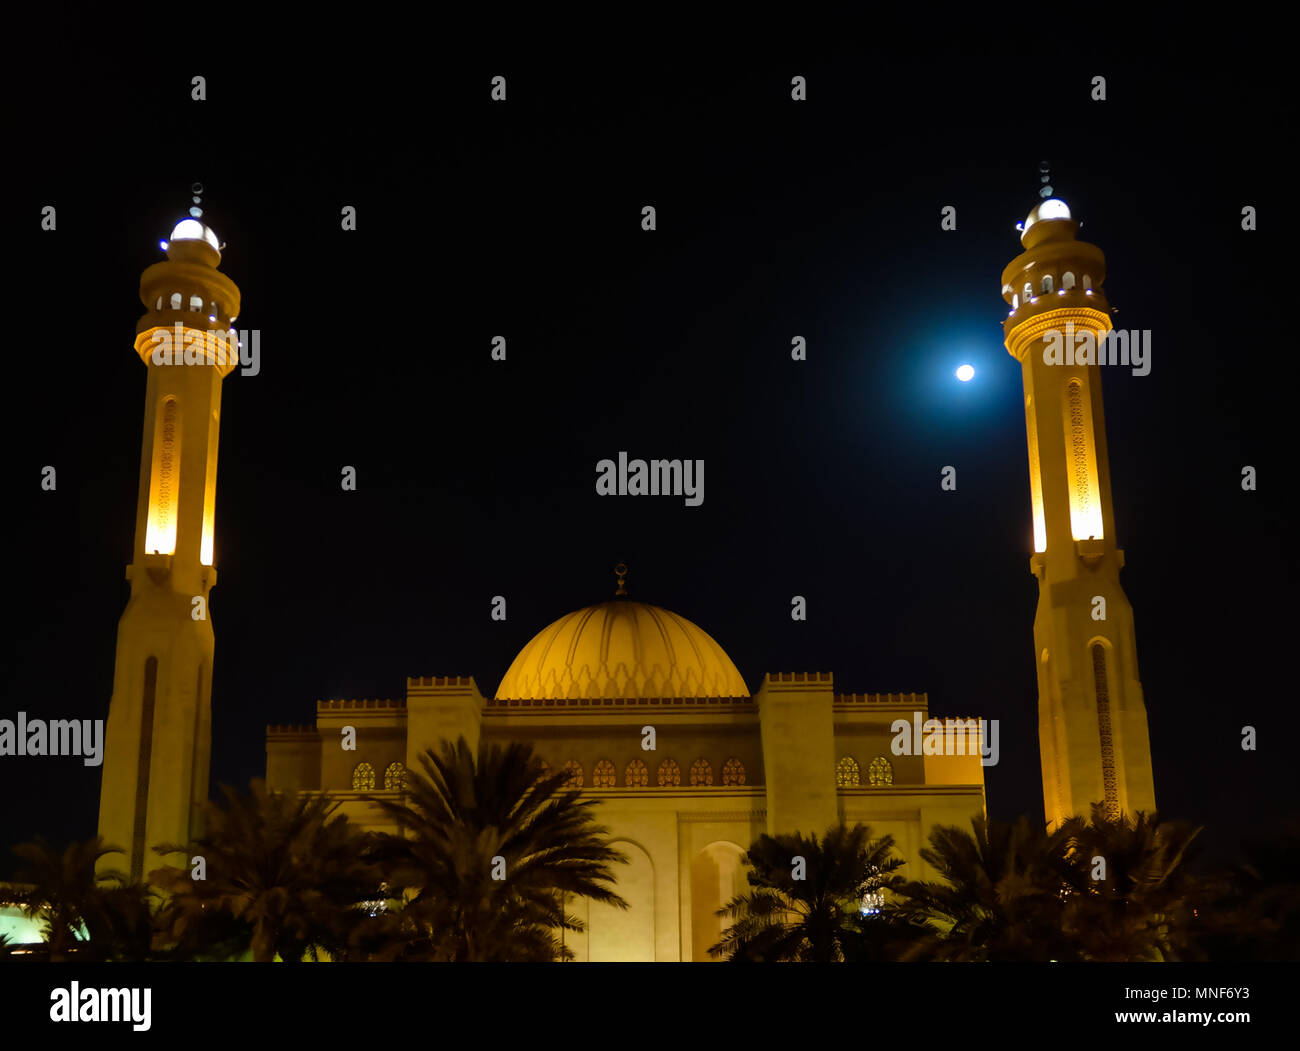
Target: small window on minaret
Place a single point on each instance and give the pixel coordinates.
(1015, 302)
(1087, 281)
(196, 302)
(1047, 283)
(158, 306)
(1067, 279)
(1029, 291)
(176, 301)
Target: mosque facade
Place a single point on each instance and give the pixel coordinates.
(642, 708)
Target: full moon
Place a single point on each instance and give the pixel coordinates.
(965, 372)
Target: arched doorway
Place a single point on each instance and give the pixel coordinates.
(717, 876)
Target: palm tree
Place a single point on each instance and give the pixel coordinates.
(1256, 915)
(62, 888)
(1144, 908)
(1001, 898)
(119, 923)
(810, 910)
(284, 876)
(492, 846)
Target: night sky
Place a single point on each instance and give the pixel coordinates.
(775, 219)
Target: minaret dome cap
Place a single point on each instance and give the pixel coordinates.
(193, 230)
(1052, 208)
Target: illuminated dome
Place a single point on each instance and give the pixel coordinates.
(1052, 208)
(621, 649)
(193, 230)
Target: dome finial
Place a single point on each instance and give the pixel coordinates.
(197, 191)
(621, 571)
(1045, 177)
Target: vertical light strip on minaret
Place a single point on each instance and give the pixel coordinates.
(1085, 502)
(209, 495)
(164, 489)
(1035, 479)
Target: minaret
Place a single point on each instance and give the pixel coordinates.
(158, 740)
(1092, 723)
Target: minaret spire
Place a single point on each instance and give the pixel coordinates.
(1093, 737)
(155, 773)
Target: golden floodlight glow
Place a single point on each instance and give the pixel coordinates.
(165, 483)
(209, 495)
(1036, 481)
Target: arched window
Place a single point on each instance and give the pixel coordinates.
(176, 301)
(196, 302)
(158, 305)
(1029, 291)
(604, 776)
(847, 773)
(701, 773)
(1087, 281)
(574, 769)
(1067, 279)
(1015, 302)
(733, 772)
(363, 778)
(670, 774)
(881, 771)
(636, 775)
(1047, 283)
(395, 777)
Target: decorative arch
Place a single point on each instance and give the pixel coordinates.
(574, 769)
(701, 773)
(880, 772)
(604, 775)
(1067, 279)
(847, 773)
(733, 772)
(395, 777)
(636, 775)
(670, 774)
(363, 778)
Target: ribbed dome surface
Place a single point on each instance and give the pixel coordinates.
(621, 649)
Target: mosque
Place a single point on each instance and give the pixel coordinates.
(642, 708)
